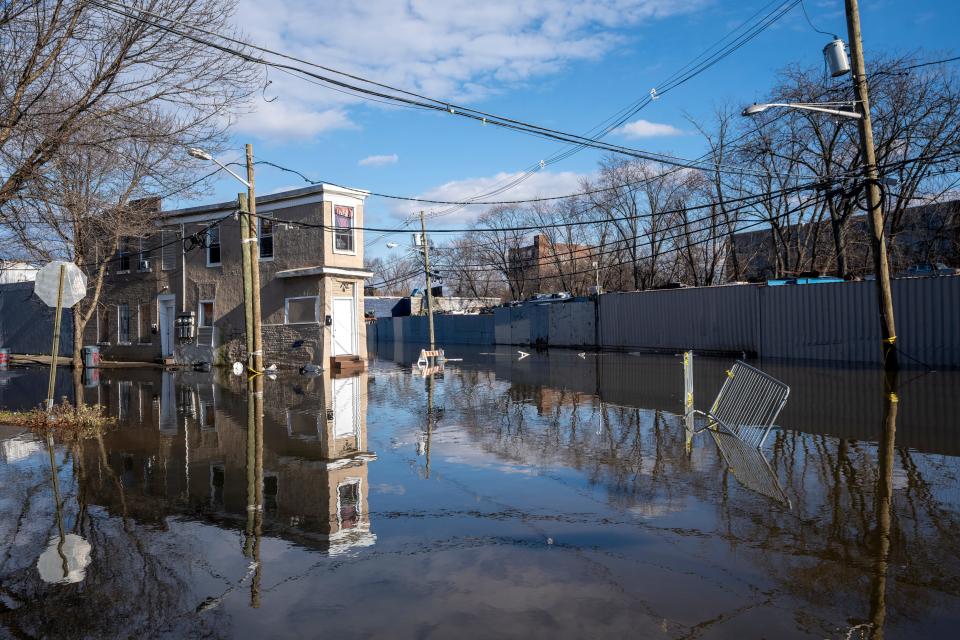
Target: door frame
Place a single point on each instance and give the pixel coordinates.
(354, 328)
(161, 301)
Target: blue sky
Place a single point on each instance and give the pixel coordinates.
(567, 64)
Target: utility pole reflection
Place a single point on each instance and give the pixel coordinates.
(884, 505)
(254, 529)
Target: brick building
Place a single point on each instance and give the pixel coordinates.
(540, 266)
(311, 283)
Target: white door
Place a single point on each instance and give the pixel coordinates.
(346, 405)
(344, 327)
(165, 319)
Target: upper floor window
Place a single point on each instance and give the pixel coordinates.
(343, 228)
(143, 255)
(213, 246)
(123, 255)
(265, 234)
(168, 249)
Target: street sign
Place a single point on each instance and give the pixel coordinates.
(48, 283)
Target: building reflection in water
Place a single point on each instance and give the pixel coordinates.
(295, 466)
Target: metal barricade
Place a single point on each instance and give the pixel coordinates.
(748, 404)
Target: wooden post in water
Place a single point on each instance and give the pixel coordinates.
(688, 398)
(55, 347)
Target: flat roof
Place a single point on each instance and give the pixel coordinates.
(229, 205)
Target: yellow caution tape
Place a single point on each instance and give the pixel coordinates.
(893, 397)
(890, 340)
(729, 373)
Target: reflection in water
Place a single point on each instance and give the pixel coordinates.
(67, 554)
(557, 496)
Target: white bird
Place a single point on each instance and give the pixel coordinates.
(272, 367)
(523, 354)
(583, 354)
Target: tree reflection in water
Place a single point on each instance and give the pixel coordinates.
(548, 491)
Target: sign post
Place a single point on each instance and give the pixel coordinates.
(60, 285)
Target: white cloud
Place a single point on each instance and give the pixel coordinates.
(379, 161)
(541, 184)
(292, 120)
(461, 50)
(646, 129)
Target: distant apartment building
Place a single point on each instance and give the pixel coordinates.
(546, 267)
(177, 295)
(927, 234)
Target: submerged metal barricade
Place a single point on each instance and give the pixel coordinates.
(749, 467)
(748, 404)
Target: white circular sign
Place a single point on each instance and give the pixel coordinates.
(64, 561)
(48, 282)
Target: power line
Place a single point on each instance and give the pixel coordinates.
(432, 103)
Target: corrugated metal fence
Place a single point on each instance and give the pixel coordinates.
(818, 322)
(26, 323)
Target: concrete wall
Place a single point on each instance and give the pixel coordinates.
(26, 322)
(833, 322)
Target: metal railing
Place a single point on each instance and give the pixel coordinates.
(748, 404)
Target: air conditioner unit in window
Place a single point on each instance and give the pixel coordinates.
(144, 265)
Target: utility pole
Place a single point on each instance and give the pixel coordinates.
(871, 177)
(254, 250)
(244, 203)
(426, 269)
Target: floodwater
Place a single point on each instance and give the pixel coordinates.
(556, 496)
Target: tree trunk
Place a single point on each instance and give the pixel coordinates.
(79, 324)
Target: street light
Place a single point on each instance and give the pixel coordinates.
(755, 108)
(200, 154)
(392, 245)
(249, 251)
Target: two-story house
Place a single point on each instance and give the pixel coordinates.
(177, 296)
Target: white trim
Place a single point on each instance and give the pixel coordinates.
(316, 309)
(334, 230)
(324, 271)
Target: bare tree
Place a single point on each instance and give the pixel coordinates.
(395, 277)
(96, 109)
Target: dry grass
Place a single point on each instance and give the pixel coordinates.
(66, 423)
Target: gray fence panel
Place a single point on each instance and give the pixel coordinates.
(927, 314)
(706, 319)
(26, 323)
(831, 321)
(572, 324)
(502, 327)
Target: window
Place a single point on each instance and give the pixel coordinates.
(145, 328)
(143, 255)
(103, 325)
(123, 255)
(265, 234)
(302, 310)
(343, 228)
(123, 323)
(348, 504)
(168, 250)
(213, 246)
(205, 319)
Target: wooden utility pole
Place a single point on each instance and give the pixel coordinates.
(254, 249)
(55, 347)
(244, 205)
(871, 178)
(426, 269)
